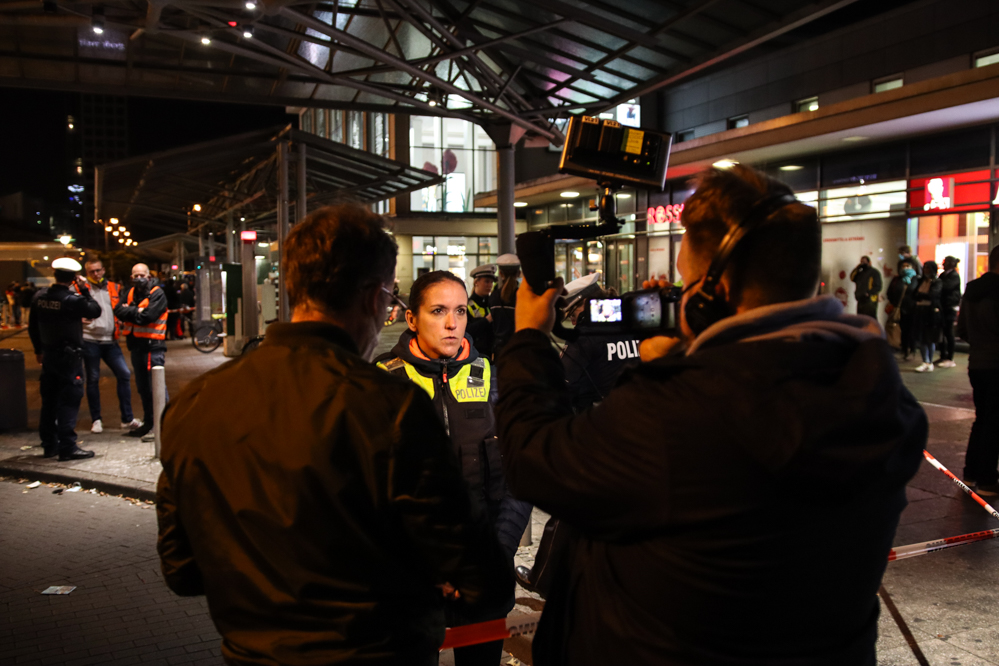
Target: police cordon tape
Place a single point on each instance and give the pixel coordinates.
(493, 630)
(985, 505)
(925, 547)
(497, 630)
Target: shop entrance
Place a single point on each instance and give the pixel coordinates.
(621, 264)
(961, 235)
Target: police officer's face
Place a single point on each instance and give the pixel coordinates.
(483, 285)
(440, 323)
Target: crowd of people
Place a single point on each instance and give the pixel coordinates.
(77, 323)
(347, 510)
(16, 304)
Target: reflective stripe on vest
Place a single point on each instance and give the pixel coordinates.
(477, 311)
(154, 330)
(471, 384)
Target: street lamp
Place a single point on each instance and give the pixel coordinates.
(197, 208)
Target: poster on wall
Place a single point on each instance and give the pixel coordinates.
(842, 246)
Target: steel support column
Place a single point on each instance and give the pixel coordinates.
(504, 200)
(230, 252)
(301, 208)
(249, 304)
(282, 227)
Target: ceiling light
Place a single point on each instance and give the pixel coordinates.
(97, 20)
(115, 233)
(248, 33)
(121, 240)
(128, 233)
(121, 228)
(206, 41)
(264, 244)
(791, 167)
(569, 195)
(519, 204)
(107, 228)
(197, 208)
(855, 138)
(65, 239)
(242, 219)
(432, 102)
(624, 195)
(724, 164)
(251, 6)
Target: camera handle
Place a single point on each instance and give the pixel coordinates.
(536, 249)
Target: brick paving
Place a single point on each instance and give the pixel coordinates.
(121, 613)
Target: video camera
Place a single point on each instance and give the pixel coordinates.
(613, 155)
(641, 312)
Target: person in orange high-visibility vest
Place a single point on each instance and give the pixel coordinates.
(143, 316)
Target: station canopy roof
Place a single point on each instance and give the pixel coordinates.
(522, 63)
(239, 177)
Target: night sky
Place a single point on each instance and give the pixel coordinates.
(33, 134)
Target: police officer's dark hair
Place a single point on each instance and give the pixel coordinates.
(335, 254)
(427, 280)
(780, 260)
(64, 276)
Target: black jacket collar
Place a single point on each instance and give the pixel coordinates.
(309, 333)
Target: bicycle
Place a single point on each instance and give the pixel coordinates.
(255, 341)
(207, 337)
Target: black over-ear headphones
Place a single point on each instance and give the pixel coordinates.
(704, 307)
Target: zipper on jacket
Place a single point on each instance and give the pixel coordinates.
(447, 426)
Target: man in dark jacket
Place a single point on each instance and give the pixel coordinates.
(868, 282)
(950, 299)
(56, 331)
(324, 513)
(143, 316)
(978, 324)
(716, 483)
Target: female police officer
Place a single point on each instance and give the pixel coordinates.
(436, 354)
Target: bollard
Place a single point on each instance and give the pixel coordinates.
(525, 539)
(159, 403)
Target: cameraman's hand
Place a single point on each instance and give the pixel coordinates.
(537, 312)
(652, 348)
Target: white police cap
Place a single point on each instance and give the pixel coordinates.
(67, 264)
(508, 260)
(485, 270)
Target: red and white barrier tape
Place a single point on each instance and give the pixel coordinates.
(985, 505)
(903, 552)
(493, 630)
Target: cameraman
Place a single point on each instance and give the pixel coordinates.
(715, 484)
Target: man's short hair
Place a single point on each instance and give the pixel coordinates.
(92, 260)
(781, 259)
(905, 249)
(334, 254)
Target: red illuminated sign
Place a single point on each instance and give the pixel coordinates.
(952, 193)
(248, 235)
(664, 214)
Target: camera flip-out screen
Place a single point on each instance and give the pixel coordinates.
(606, 150)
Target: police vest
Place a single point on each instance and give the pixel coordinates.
(471, 384)
(154, 330)
(477, 311)
(114, 291)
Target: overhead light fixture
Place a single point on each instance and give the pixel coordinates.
(121, 240)
(115, 233)
(248, 33)
(206, 41)
(569, 195)
(855, 138)
(97, 20)
(251, 6)
(197, 208)
(127, 233)
(114, 220)
(107, 228)
(242, 219)
(623, 195)
(519, 204)
(248, 235)
(724, 164)
(264, 244)
(792, 167)
(65, 239)
(121, 228)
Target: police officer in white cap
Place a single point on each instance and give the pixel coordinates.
(480, 322)
(503, 300)
(56, 330)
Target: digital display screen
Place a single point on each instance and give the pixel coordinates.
(605, 310)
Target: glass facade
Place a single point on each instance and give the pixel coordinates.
(459, 150)
(458, 254)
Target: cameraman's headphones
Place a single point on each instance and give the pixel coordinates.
(704, 307)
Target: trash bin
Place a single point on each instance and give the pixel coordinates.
(13, 391)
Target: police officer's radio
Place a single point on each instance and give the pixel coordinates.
(613, 155)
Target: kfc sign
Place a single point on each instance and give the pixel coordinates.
(939, 194)
(664, 214)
